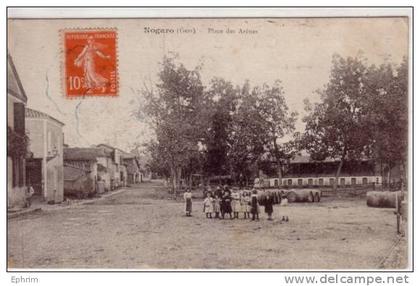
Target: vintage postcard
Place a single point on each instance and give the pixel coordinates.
(266, 140)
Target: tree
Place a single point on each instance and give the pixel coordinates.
(157, 163)
(247, 137)
(278, 122)
(221, 100)
(387, 103)
(175, 110)
(337, 126)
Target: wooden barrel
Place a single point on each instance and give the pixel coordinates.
(379, 199)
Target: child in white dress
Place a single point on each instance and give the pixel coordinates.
(246, 204)
(236, 204)
(208, 205)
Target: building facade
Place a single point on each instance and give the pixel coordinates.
(16, 139)
(44, 166)
(118, 167)
(134, 174)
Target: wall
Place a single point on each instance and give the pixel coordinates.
(10, 123)
(46, 137)
(35, 131)
(10, 111)
(55, 173)
(105, 176)
(16, 196)
(84, 185)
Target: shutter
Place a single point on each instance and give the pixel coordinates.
(19, 118)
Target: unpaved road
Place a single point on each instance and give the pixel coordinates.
(141, 229)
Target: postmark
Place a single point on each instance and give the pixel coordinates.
(90, 63)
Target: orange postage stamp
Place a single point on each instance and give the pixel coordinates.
(90, 63)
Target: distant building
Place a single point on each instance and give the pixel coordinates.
(303, 171)
(44, 167)
(16, 138)
(77, 181)
(119, 168)
(134, 174)
(92, 165)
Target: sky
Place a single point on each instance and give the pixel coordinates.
(297, 51)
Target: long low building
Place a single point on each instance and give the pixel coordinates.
(302, 171)
(318, 181)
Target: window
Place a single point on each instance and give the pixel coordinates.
(364, 181)
(332, 180)
(300, 182)
(321, 182)
(289, 182)
(353, 181)
(276, 183)
(310, 182)
(342, 181)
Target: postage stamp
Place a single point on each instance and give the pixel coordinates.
(90, 63)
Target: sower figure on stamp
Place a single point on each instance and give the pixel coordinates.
(86, 58)
(188, 202)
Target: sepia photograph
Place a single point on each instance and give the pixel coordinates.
(275, 140)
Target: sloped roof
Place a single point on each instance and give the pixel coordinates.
(31, 113)
(84, 154)
(106, 146)
(307, 159)
(299, 159)
(128, 156)
(14, 85)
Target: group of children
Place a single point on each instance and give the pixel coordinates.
(223, 201)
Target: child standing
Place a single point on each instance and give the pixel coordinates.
(254, 205)
(268, 204)
(226, 206)
(283, 203)
(236, 204)
(245, 204)
(208, 205)
(188, 202)
(216, 206)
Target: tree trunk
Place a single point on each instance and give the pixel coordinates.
(279, 172)
(190, 180)
(172, 179)
(178, 173)
(389, 176)
(403, 176)
(337, 174)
